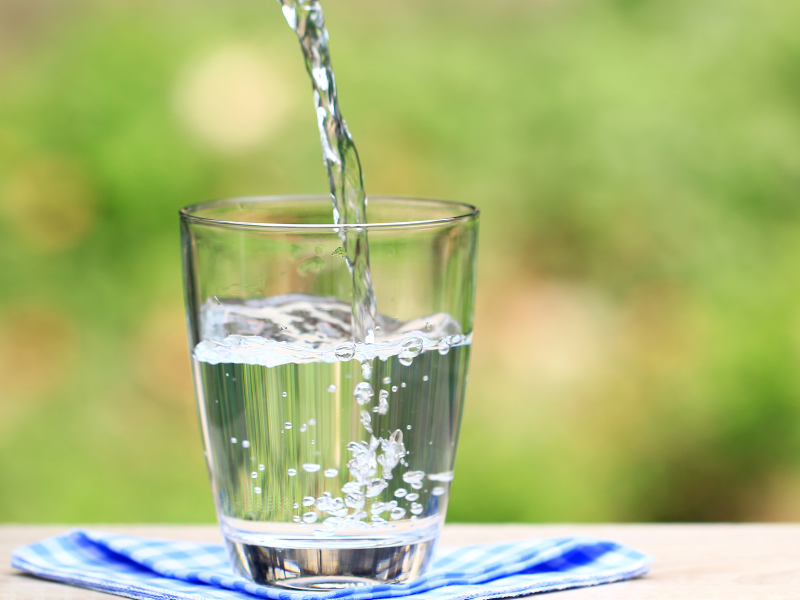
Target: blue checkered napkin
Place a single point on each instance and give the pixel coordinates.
(146, 568)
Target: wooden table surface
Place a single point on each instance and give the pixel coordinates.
(701, 562)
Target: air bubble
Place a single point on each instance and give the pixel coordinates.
(425, 378)
(245, 444)
(413, 476)
(417, 486)
(412, 497)
(310, 517)
(284, 394)
(366, 369)
(331, 473)
(312, 422)
(403, 384)
(346, 351)
(296, 519)
(387, 380)
(295, 506)
(261, 467)
(406, 362)
(444, 347)
(254, 474)
(394, 388)
(363, 392)
(309, 501)
(416, 508)
(233, 440)
(311, 467)
(408, 427)
(291, 472)
(366, 420)
(400, 492)
(411, 347)
(397, 513)
(303, 428)
(257, 490)
(331, 388)
(287, 425)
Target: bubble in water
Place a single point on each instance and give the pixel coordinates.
(455, 340)
(331, 473)
(312, 422)
(393, 452)
(284, 394)
(413, 476)
(295, 506)
(331, 388)
(383, 403)
(351, 487)
(303, 428)
(400, 492)
(412, 497)
(291, 472)
(444, 347)
(416, 508)
(345, 351)
(313, 441)
(397, 513)
(245, 444)
(378, 508)
(363, 392)
(406, 362)
(309, 501)
(366, 420)
(366, 369)
(408, 427)
(311, 467)
(417, 485)
(354, 499)
(310, 517)
(261, 467)
(387, 380)
(411, 347)
(443, 476)
(425, 378)
(377, 328)
(296, 519)
(233, 440)
(394, 388)
(375, 487)
(257, 490)
(403, 384)
(254, 474)
(287, 425)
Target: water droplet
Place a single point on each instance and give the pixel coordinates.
(331, 473)
(291, 472)
(377, 328)
(310, 517)
(311, 467)
(387, 380)
(312, 422)
(303, 428)
(403, 384)
(397, 513)
(411, 347)
(438, 491)
(339, 252)
(412, 497)
(331, 388)
(408, 427)
(245, 444)
(313, 441)
(309, 501)
(345, 351)
(424, 378)
(217, 300)
(257, 490)
(444, 347)
(400, 492)
(261, 467)
(394, 388)
(284, 394)
(366, 369)
(233, 440)
(296, 519)
(254, 474)
(287, 425)
(363, 392)
(406, 362)
(416, 508)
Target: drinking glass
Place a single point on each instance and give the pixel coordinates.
(330, 460)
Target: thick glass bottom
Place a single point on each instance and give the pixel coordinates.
(306, 563)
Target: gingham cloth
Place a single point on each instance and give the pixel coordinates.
(147, 568)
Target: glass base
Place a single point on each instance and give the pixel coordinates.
(330, 564)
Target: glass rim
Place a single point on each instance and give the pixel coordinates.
(467, 212)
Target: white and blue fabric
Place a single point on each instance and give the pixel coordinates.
(151, 569)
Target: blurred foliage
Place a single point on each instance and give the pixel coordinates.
(637, 162)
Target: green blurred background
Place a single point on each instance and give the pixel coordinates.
(637, 162)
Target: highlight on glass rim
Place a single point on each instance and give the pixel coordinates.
(365, 373)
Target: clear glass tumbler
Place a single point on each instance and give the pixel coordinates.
(330, 461)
